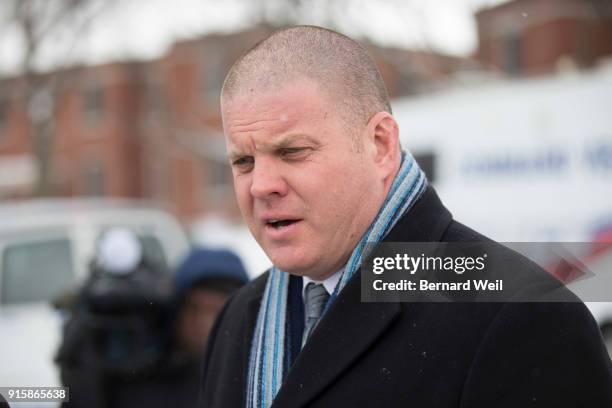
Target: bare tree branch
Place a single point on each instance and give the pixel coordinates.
(38, 21)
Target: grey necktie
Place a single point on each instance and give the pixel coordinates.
(315, 298)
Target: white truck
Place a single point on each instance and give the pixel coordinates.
(45, 249)
(523, 160)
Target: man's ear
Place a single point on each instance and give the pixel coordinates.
(383, 135)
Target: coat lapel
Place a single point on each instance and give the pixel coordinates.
(336, 342)
(350, 327)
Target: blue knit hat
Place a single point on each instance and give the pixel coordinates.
(204, 264)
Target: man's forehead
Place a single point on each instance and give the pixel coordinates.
(267, 125)
(296, 95)
(273, 118)
(262, 110)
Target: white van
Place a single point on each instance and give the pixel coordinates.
(523, 160)
(45, 249)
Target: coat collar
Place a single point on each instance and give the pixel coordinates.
(340, 337)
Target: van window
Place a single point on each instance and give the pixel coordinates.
(153, 252)
(36, 271)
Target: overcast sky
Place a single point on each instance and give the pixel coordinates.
(146, 28)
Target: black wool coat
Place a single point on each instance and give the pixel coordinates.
(478, 355)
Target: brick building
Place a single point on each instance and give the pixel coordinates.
(152, 129)
(95, 141)
(533, 37)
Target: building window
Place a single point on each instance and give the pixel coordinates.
(93, 104)
(213, 73)
(4, 115)
(157, 180)
(153, 97)
(512, 61)
(219, 173)
(93, 179)
(218, 180)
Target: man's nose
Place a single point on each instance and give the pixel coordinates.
(267, 180)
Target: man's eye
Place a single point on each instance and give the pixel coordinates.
(291, 152)
(243, 162)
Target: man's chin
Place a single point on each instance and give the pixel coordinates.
(311, 269)
(292, 268)
(291, 263)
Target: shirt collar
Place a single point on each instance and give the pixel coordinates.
(329, 284)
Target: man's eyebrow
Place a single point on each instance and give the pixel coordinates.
(234, 154)
(283, 143)
(290, 140)
(235, 150)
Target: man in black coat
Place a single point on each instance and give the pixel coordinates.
(317, 171)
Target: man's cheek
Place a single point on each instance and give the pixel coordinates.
(243, 198)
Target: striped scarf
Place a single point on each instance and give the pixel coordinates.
(266, 361)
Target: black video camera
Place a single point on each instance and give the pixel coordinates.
(119, 324)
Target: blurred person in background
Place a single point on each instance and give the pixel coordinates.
(135, 335)
(203, 283)
(318, 173)
(116, 328)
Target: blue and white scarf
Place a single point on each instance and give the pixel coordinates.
(266, 361)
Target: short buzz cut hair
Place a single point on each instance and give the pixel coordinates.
(339, 65)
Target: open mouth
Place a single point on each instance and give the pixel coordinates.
(277, 224)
